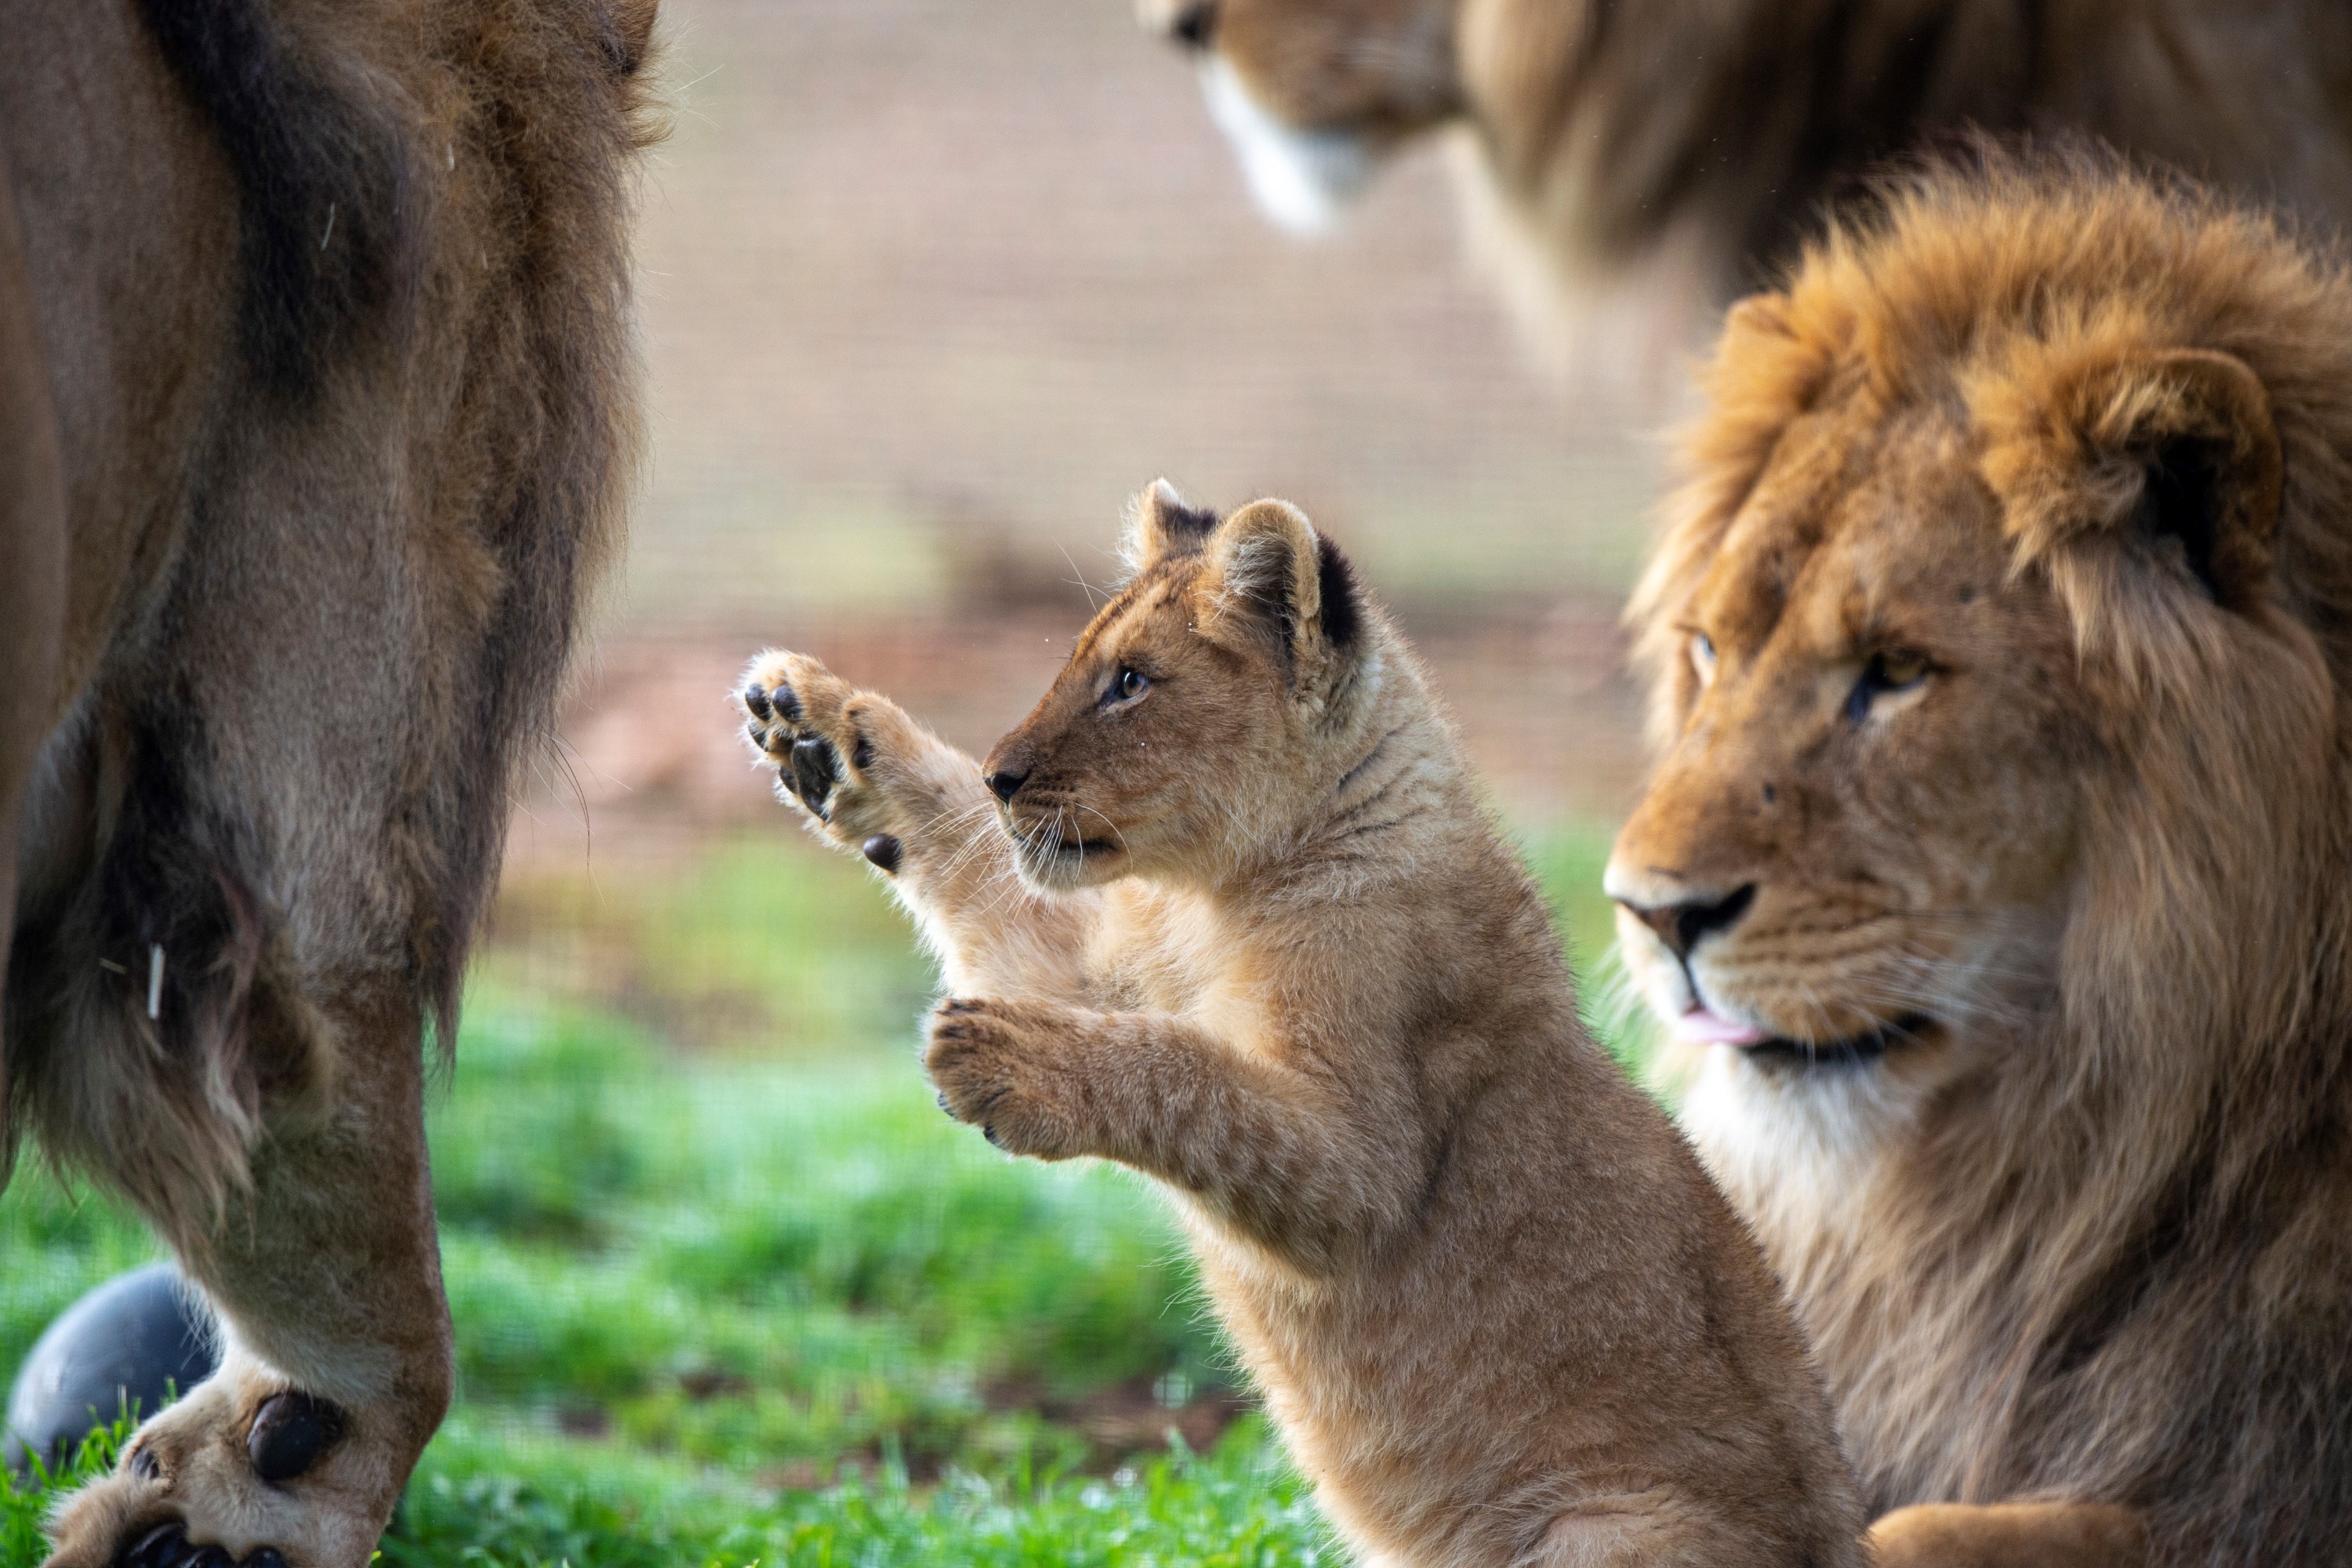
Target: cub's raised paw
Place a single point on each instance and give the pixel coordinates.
(832, 748)
(995, 1065)
(242, 1473)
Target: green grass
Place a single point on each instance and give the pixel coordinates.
(720, 1307)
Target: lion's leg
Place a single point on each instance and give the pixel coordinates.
(873, 780)
(337, 1367)
(2010, 1535)
(32, 560)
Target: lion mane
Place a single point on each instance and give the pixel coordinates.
(1719, 131)
(2114, 1263)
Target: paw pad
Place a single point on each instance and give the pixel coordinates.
(168, 1546)
(289, 1434)
(816, 770)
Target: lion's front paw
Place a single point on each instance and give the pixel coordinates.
(841, 753)
(996, 1066)
(242, 1473)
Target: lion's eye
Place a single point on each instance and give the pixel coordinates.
(1886, 673)
(1702, 656)
(1128, 685)
(1894, 672)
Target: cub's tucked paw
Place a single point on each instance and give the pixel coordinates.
(840, 752)
(993, 1064)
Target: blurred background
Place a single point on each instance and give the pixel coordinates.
(929, 289)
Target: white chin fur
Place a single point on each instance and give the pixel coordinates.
(1302, 179)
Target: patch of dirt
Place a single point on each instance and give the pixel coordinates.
(1127, 1418)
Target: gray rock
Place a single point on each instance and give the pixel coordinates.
(130, 1343)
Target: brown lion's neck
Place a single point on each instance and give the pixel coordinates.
(2026, 1274)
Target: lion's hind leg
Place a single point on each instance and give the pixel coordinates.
(325, 1272)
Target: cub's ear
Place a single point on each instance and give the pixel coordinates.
(2167, 458)
(1160, 524)
(1273, 578)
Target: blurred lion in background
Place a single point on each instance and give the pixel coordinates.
(1715, 132)
(1992, 877)
(318, 403)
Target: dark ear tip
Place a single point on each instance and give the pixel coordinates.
(1342, 616)
(1178, 518)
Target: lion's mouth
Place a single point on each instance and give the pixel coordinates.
(1853, 1051)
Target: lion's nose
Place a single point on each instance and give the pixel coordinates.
(1681, 926)
(1004, 783)
(1194, 25)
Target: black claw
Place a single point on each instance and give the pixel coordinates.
(815, 767)
(885, 851)
(788, 706)
(289, 1432)
(162, 1547)
(211, 1557)
(988, 1130)
(755, 698)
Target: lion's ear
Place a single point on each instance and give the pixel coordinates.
(2172, 454)
(1160, 524)
(1272, 577)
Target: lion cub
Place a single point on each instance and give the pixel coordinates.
(1226, 908)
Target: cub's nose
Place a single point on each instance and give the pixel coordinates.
(1682, 926)
(1008, 764)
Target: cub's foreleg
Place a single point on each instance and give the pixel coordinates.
(1293, 1159)
(873, 780)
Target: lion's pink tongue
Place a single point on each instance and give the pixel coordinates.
(1700, 1027)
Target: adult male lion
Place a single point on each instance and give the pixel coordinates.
(1993, 874)
(1609, 129)
(316, 386)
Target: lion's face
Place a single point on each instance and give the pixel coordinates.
(1960, 584)
(1860, 836)
(1179, 735)
(1315, 93)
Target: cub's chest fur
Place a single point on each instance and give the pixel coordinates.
(1174, 951)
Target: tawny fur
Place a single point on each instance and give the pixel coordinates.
(1250, 932)
(1720, 129)
(2001, 642)
(330, 330)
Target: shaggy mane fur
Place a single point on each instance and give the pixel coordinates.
(2119, 1267)
(1611, 128)
(1715, 135)
(431, 348)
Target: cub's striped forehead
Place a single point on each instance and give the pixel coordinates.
(1161, 586)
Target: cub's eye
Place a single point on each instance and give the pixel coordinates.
(1126, 686)
(1702, 656)
(1886, 673)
